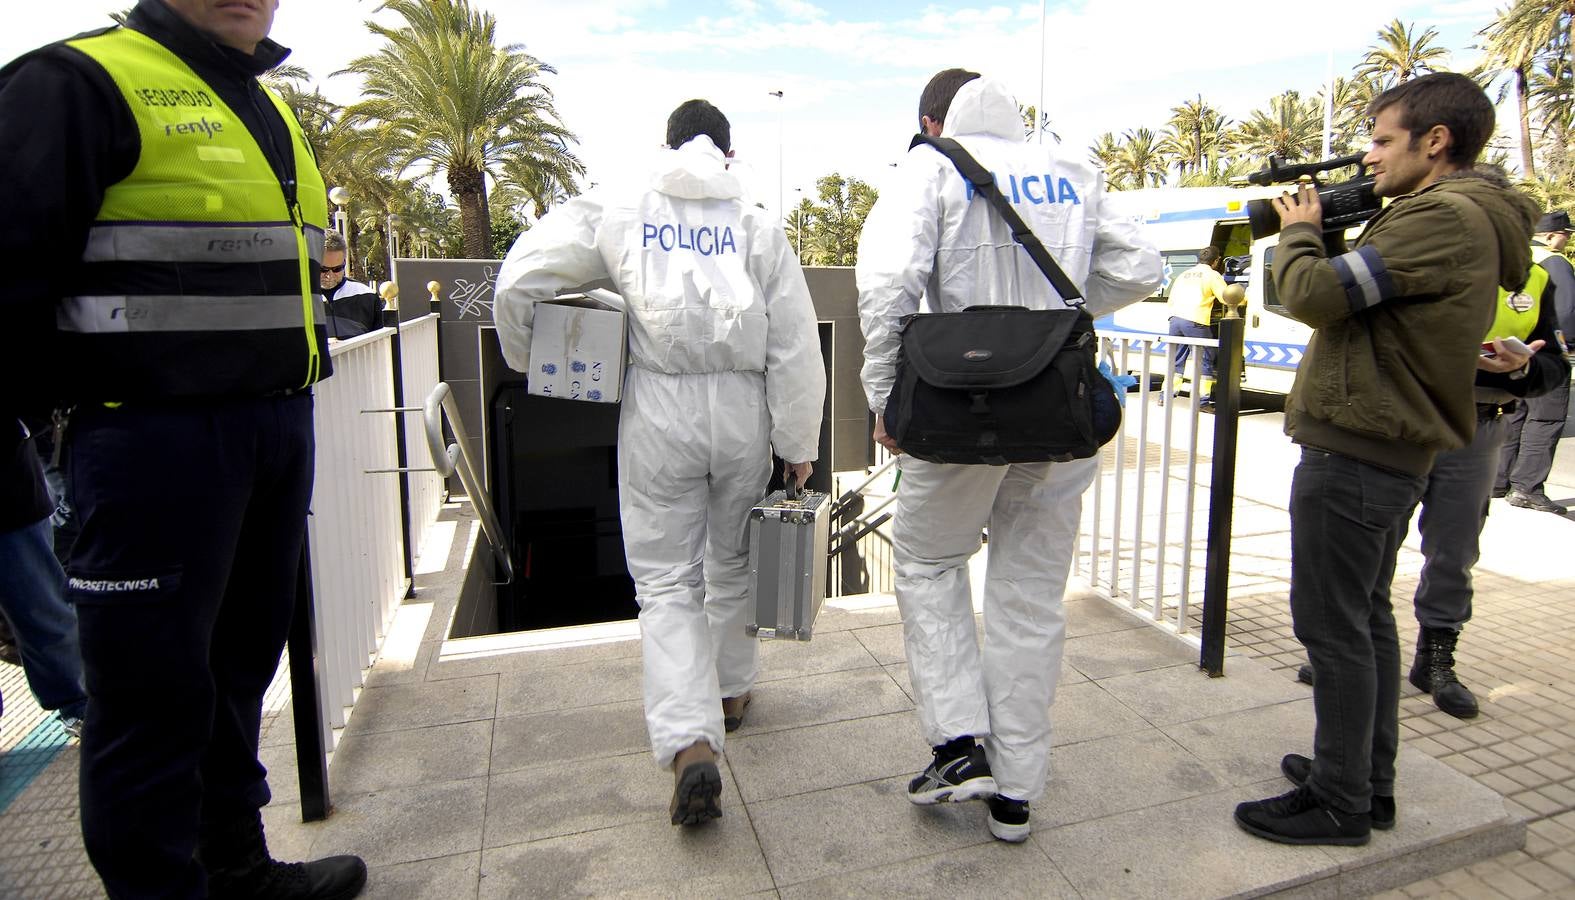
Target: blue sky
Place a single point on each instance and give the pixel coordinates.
(851, 73)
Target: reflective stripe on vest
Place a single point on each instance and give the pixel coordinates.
(1515, 314)
(201, 239)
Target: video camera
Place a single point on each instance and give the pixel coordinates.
(1345, 204)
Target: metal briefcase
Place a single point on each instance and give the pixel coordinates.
(788, 540)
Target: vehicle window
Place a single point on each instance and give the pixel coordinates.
(1176, 262)
(1271, 297)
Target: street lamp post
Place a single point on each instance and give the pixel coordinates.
(393, 221)
(340, 198)
(781, 213)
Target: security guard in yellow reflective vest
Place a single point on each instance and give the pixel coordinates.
(1459, 486)
(164, 222)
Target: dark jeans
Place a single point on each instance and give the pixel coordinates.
(1347, 520)
(1531, 439)
(1454, 509)
(193, 518)
(43, 625)
(1189, 328)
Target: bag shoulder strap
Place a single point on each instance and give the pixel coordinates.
(984, 185)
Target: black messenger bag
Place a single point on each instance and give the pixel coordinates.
(993, 385)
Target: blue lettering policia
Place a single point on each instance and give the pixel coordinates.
(705, 240)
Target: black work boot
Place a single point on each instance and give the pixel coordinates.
(1433, 672)
(236, 858)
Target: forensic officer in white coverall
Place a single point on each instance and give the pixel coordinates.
(725, 365)
(928, 237)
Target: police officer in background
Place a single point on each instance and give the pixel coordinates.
(724, 367)
(929, 237)
(1533, 430)
(171, 219)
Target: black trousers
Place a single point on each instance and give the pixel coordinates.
(1533, 437)
(193, 518)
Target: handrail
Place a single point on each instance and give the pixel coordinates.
(456, 458)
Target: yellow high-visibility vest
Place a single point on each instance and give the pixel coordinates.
(199, 277)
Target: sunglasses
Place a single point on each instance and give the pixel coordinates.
(338, 268)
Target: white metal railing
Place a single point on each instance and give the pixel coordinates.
(354, 532)
(1129, 552)
(419, 365)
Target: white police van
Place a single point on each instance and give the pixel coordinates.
(1181, 222)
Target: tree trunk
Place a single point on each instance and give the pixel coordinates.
(1528, 165)
(469, 191)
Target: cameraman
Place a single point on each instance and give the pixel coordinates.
(1386, 384)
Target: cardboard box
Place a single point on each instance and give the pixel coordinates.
(577, 349)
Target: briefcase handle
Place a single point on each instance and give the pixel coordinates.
(792, 488)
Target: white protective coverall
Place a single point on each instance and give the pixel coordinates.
(926, 237)
(725, 365)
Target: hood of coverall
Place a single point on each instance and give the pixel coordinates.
(984, 106)
(696, 171)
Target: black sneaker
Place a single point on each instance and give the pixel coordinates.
(334, 878)
(1008, 819)
(1297, 767)
(1301, 818)
(953, 779)
(1305, 675)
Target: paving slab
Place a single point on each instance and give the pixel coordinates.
(1085, 711)
(401, 706)
(1120, 773)
(645, 859)
(837, 651)
(1189, 848)
(987, 870)
(447, 876)
(1245, 747)
(1179, 693)
(850, 829)
(818, 699)
(368, 762)
(564, 735)
(404, 824)
(1126, 651)
(567, 798)
(801, 760)
(572, 686)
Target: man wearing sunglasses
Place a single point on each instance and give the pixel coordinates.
(353, 308)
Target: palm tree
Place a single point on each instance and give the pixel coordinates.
(1511, 50)
(1193, 134)
(1292, 128)
(801, 227)
(1105, 153)
(1352, 98)
(1398, 55)
(1034, 120)
(1139, 158)
(838, 219)
(447, 95)
(545, 175)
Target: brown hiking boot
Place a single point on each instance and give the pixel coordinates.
(697, 785)
(733, 710)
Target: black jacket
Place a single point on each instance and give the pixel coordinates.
(67, 137)
(353, 309)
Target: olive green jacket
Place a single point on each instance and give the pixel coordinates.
(1387, 375)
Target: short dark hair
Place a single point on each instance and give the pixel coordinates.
(696, 117)
(1208, 255)
(938, 94)
(1442, 98)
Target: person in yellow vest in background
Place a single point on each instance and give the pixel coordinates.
(1521, 358)
(1194, 294)
(1534, 429)
(165, 221)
